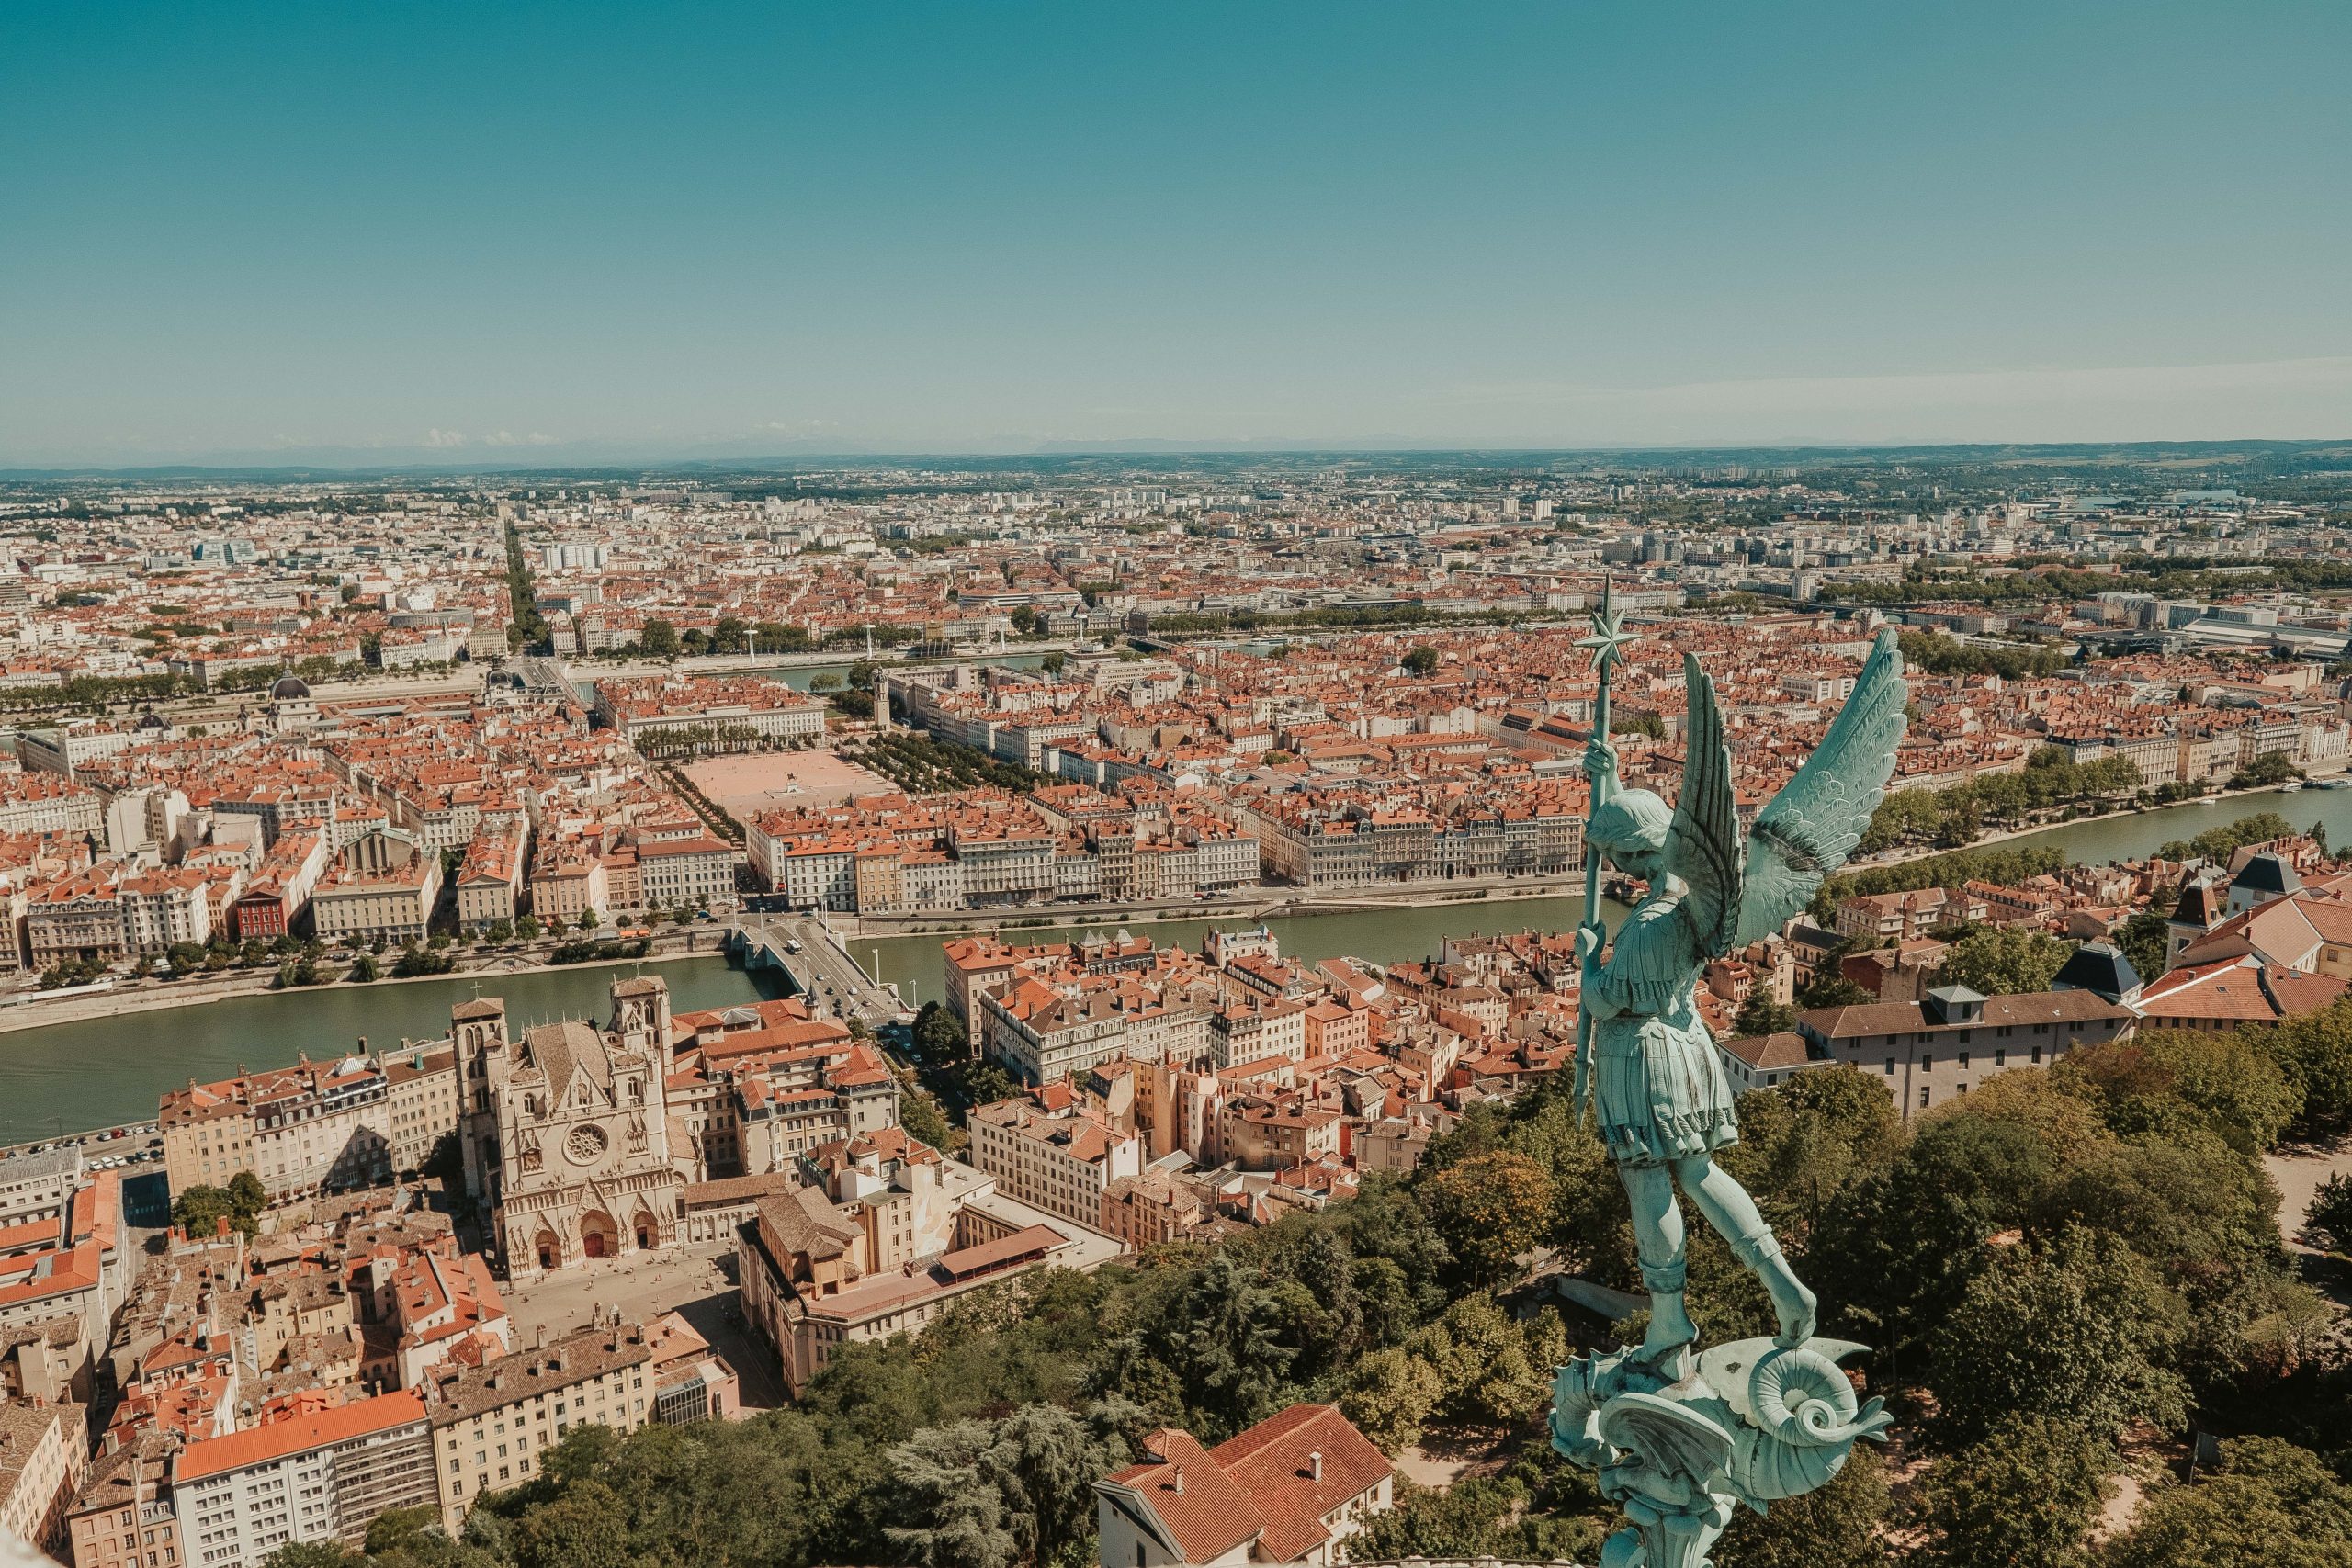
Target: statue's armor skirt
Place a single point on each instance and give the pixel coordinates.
(1659, 1090)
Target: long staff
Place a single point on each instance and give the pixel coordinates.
(1608, 636)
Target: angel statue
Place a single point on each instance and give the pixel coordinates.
(1664, 1104)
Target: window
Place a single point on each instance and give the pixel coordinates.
(1889, 1067)
(1927, 1062)
(1923, 1100)
(1964, 1057)
(2000, 1058)
(2037, 1055)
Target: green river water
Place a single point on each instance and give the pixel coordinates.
(100, 1072)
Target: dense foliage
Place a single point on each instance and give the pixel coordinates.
(923, 765)
(1954, 817)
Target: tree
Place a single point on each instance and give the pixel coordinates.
(363, 968)
(2077, 1330)
(923, 1121)
(2270, 768)
(2004, 962)
(200, 1210)
(585, 1525)
(1834, 1525)
(1759, 1014)
(2327, 1219)
(400, 1530)
(938, 1036)
(527, 928)
(1230, 1348)
(2164, 1080)
(1829, 989)
(2316, 1052)
(2142, 939)
(993, 1494)
(2270, 1505)
(659, 639)
(309, 1554)
(1389, 1395)
(1420, 661)
(1491, 1209)
(2021, 1497)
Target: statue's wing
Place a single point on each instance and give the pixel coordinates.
(1814, 824)
(1674, 1439)
(1703, 848)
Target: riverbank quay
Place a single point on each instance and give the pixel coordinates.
(32, 1010)
(1266, 902)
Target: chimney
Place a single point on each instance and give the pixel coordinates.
(1315, 1465)
(538, 1336)
(1176, 1483)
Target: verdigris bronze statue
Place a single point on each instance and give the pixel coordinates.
(1679, 1440)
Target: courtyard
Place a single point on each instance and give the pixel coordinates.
(754, 781)
(696, 1282)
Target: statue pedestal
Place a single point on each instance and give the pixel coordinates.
(1754, 1422)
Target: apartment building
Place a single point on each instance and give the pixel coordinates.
(1041, 1034)
(76, 918)
(685, 868)
(1953, 1039)
(44, 1449)
(384, 883)
(121, 1514)
(708, 713)
(320, 1475)
(276, 899)
(163, 906)
(492, 1423)
(35, 1186)
(421, 1102)
(1060, 1157)
(489, 879)
(1246, 1027)
(311, 1128)
(844, 1259)
(46, 803)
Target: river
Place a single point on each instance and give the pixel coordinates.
(103, 1071)
(2140, 833)
(99, 1072)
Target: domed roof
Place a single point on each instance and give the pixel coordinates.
(289, 686)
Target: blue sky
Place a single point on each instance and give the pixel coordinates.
(232, 231)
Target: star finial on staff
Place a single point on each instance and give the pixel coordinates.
(1608, 632)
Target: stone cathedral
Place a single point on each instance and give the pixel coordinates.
(566, 1132)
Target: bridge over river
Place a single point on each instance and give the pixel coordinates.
(817, 966)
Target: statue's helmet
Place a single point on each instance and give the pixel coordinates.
(1632, 819)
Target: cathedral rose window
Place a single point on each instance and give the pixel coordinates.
(584, 1144)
